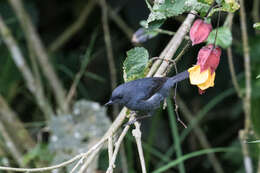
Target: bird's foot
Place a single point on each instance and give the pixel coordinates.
(130, 122)
(135, 119)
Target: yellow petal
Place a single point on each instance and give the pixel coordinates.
(208, 83)
(197, 77)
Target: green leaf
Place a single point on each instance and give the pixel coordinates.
(257, 25)
(170, 8)
(230, 5)
(136, 64)
(224, 37)
(258, 76)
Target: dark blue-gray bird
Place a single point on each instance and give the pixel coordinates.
(145, 94)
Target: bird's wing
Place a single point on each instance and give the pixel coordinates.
(152, 86)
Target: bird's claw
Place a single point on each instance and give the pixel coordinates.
(130, 122)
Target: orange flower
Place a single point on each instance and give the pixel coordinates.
(203, 80)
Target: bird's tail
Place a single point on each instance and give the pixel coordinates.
(177, 78)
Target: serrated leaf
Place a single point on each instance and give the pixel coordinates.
(170, 8)
(224, 37)
(136, 63)
(257, 25)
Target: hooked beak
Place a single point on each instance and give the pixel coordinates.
(110, 102)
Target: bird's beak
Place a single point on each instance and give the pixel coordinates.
(110, 102)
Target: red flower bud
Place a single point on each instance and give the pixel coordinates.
(199, 31)
(208, 57)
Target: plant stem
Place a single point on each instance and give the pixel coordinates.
(243, 134)
(175, 134)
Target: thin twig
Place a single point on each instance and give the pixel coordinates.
(215, 39)
(247, 100)
(109, 49)
(228, 22)
(17, 56)
(73, 28)
(232, 72)
(17, 155)
(42, 99)
(89, 156)
(138, 134)
(117, 146)
(33, 38)
(175, 101)
(110, 149)
(162, 31)
(13, 124)
(77, 165)
(97, 146)
(120, 23)
(82, 70)
(89, 160)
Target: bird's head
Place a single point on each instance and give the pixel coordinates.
(117, 96)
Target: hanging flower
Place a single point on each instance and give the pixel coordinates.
(208, 57)
(199, 31)
(203, 79)
(203, 73)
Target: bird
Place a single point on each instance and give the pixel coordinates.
(145, 94)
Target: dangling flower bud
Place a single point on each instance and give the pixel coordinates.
(199, 31)
(208, 57)
(203, 73)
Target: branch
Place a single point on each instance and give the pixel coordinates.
(138, 134)
(17, 155)
(229, 22)
(23, 67)
(13, 124)
(110, 149)
(117, 146)
(17, 55)
(109, 49)
(172, 46)
(33, 39)
(243, 134)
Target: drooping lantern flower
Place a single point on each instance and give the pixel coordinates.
(199, 31)
(208, 57)
(203, 73)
